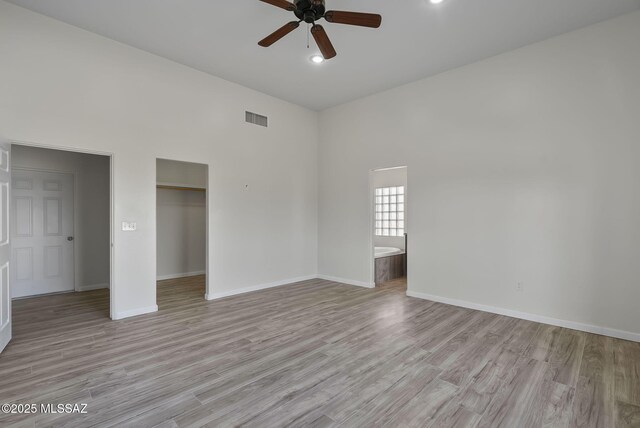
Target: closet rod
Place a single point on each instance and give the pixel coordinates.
(193, 189)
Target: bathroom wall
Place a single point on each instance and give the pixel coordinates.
(389, 178)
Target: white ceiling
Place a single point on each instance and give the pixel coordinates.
(416, 39)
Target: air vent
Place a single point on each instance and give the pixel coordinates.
(257, 119)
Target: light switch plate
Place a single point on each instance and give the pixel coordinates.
(129, 226)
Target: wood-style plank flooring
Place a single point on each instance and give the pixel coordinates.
(315, 354)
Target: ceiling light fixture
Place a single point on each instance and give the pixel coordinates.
(317, 59)
(435, 1)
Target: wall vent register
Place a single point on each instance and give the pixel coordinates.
(256, 119)
(390, 214)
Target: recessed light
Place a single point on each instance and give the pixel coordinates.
(435, 1)
(317, 59)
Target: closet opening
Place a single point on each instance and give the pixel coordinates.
(181, 231)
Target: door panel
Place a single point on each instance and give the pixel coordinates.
(4, 214)
(23, 216)
(53, 261)
(42, 221)
(5, 245)
(52, 185)
(52, 217)
(23, 263)
(23, 184)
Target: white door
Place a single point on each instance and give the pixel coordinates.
(42, 233)
(5, 251)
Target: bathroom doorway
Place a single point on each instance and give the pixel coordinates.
(389, 238)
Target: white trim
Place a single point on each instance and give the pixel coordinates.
(289, 281)
(347, 281)
(4, 154)
(180, 275)
(90, 287)
(135, 312)
(112, 237)
(6, 328)
(605, 331)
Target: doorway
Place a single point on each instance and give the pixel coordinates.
(60, 213)
(181, 231)
(389, 197)
(56, 235)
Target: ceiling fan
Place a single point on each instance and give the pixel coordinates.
(311, 11)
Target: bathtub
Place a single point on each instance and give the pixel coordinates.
(387, 251)
(390, 264)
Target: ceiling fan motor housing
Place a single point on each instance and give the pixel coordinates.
(309, 11)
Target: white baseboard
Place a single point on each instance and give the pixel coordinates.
(215, 296)
(93, 287)
(134, 312)
(604, 331)
(180, 275)
(347, 281)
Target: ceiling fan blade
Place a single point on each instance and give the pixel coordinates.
(284, 4)
(278, 34)
(323, 42)
(354, 18)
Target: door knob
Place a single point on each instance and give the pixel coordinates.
(69, 238)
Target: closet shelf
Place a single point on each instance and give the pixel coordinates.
(175, 186)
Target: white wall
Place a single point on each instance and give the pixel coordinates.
(92, 207)
(390, 177)
(181, 220)
(522, 167)
(181, 217)
(65, 87)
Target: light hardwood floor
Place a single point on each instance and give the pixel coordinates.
(314, 354)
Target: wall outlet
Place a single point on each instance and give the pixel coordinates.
(520, 286)
(129, 226)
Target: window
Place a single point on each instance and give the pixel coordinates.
(390, 211)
